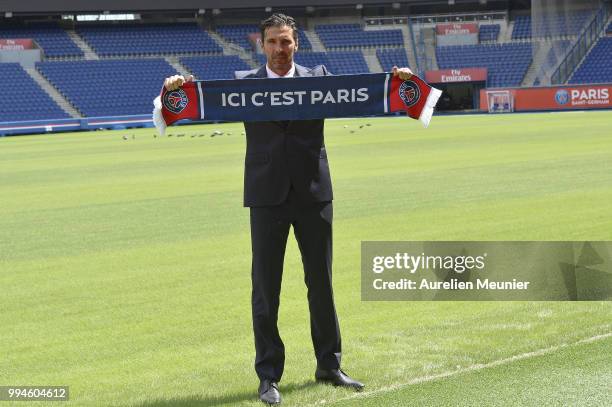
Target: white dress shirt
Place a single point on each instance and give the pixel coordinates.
(272, 74)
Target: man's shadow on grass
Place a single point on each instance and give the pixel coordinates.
(192, 401)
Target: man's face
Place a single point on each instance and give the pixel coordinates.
(279, 47)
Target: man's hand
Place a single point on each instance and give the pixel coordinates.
(176, 81)
(403, 73)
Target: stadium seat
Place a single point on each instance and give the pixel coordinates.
(239, 35)
(347, 62)
(392, 56)
(214, 67)
(31, 102)
(345, 36)
(53, 40)
(108, 87)
(552, 25)
(488, 32)
(596, 67)
(148, 39)
(507, 64)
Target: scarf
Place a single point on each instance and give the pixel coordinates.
(298, 98)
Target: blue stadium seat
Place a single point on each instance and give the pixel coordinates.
(522, 28)
(488, 32)
(214, 67)
(596, 67)
(312, 59)
(507, 64)
(392, 56)
(108, 87)
(148, 39)
(27, 100)
(339, 36)
(347, 62)
(239, 35)
(552, 25)
(304, 42)
(53, 40)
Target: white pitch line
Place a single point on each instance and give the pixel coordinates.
(478, 366)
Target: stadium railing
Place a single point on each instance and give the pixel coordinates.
(585, 40)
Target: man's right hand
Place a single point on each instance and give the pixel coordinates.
(176, 81)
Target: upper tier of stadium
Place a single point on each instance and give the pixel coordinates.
(86, 65)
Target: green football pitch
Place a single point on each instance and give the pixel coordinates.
(125, 264)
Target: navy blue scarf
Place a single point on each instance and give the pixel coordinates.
(297, 98)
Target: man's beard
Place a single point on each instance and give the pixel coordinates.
(281, 59)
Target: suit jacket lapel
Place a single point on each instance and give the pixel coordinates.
(262, 73)
(302, 71)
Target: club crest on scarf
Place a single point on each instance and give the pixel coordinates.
(175, 101)
(410, 93)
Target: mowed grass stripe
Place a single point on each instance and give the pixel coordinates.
(133, 286)
(573, 374)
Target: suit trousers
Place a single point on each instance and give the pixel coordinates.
(312, 226)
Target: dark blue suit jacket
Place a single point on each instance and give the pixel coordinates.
(284, 154)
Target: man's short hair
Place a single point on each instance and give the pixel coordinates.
(278, 20)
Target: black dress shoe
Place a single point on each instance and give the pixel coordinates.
(268, 392)
(338, 378)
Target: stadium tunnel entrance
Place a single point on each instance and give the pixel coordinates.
(460, 87)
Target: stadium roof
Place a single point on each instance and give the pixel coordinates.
(40, 6)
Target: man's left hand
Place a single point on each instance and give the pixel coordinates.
(403, 73)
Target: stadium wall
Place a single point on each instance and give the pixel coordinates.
(577, 97)
(61, 125)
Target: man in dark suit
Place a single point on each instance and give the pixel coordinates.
(287, 183)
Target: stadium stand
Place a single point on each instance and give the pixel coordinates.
(304, 44)
(310, 59)
(132, 69)
(522, 28)
(214, 67)
(342, 36)
(347, 62)
(108, 87)
(239, 35)
(148, 39)
(53, 40)
(30, 102)
(392, 56)
(506, 63)
(557, 25)
(596, 67)
(488, 32)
